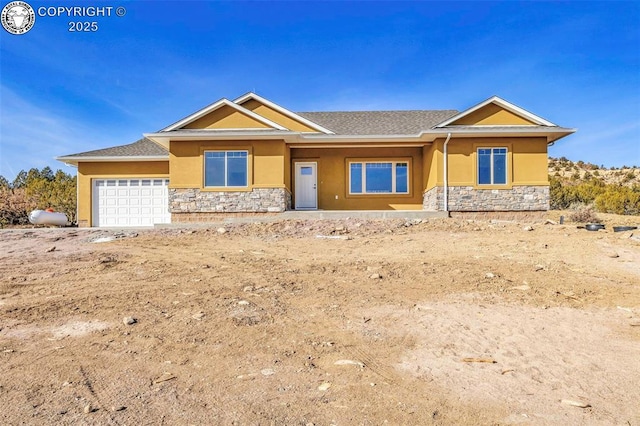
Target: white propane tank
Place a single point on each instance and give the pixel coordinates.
(43, 217)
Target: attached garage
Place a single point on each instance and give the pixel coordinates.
(130, 202)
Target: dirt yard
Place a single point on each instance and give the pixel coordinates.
(351, 322)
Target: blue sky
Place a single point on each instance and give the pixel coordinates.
(576, 64)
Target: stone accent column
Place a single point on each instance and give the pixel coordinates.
(433, 199)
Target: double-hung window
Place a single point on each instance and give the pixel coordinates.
(229, 169)
(492, 166)
(379, 177)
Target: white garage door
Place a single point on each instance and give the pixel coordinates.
(130, 202)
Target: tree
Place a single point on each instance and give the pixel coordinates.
(37, 189)
(20, 181)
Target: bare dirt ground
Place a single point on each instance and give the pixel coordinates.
(351, 322)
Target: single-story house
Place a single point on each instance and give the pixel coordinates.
(251, 156)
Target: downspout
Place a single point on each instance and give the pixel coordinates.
(446, 174)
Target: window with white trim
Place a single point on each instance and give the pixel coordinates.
(492, 166)
(379, 177)
(229, 169)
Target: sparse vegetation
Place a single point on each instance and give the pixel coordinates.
(584, 214)
(589, 188)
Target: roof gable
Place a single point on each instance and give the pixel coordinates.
(224, 114)
(495, 112)
(278, 114)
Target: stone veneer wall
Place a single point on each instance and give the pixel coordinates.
(469, 199)
(258, 200)
(432, 199)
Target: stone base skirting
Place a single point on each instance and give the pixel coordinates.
(258, 200)
(469, 199)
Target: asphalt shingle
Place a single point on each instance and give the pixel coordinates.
(142, 147)
(378, 122)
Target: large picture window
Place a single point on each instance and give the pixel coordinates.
(379, 177)
(492, 166)
(226, 168)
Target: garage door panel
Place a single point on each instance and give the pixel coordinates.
(130, 202)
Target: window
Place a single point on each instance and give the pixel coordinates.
(492, 166)
(226, 168)
(379, 177)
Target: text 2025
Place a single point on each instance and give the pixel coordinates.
(85, 27)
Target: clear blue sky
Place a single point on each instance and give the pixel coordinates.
(576, 64)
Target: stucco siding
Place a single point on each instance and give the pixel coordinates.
(333, 177)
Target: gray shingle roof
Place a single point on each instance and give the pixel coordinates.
(339, 122)
(142, 147)
(378, 122)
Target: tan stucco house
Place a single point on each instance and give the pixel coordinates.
(250, 156)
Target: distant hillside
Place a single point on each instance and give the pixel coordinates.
(579, 185)
(568, 172)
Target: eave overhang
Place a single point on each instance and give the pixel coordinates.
(300, 138)
(74, 160)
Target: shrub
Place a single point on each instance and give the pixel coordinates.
(14, 206)
(584, 214)
(619, 200)
(565, 193)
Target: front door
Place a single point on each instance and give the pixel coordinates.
(306, 182)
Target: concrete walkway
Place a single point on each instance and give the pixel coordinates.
(267, 218)
(364, 214)
(313, 215)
